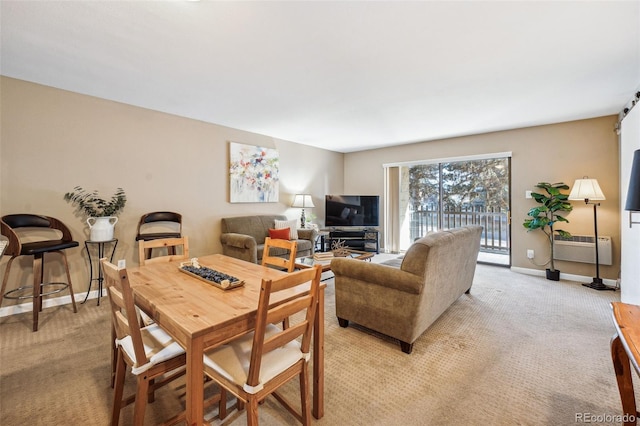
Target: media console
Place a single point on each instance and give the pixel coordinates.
(364, 240)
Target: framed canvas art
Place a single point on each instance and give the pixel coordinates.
(253, 174)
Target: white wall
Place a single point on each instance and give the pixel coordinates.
(52, 140)
(559, 152)
(630, 253)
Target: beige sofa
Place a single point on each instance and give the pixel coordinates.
(243, 237)
(403, 297)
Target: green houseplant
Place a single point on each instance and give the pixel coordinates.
(544, 217)
(93, 205)
(101, 212)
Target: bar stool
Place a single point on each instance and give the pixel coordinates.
(159, 225)
(29, 226)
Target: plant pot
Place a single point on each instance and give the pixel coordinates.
(553, 275)
(101, 228)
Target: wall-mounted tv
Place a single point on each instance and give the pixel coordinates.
(352, 210)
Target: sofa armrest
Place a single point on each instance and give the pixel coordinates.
(308, 234)
(376, 274)
(240, 241)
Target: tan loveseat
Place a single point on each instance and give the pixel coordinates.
(243, 237)
(403, 297)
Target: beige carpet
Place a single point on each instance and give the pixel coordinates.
(519, 350)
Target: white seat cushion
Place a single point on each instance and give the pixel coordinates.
(232, 360)
(158, 346)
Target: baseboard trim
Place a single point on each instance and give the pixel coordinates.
(564, 276)
(46, 303)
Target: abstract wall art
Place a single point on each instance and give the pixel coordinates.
(253, 174)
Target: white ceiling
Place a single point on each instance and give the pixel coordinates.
(344, 76)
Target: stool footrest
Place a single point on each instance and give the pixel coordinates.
(56, 288)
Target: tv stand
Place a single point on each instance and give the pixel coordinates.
(364, 240)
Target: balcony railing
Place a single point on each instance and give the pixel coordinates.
(495, 233)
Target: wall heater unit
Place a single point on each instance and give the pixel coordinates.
(581, 248)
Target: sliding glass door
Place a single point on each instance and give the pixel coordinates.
(448, 194)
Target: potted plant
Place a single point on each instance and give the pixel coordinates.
(101, 213)
(545, 216)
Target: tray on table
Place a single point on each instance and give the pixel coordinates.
(210, 276)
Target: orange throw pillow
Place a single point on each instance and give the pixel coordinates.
(279, 234)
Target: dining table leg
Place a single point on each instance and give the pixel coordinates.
(195, 382)
(318, 358)
(622, 368)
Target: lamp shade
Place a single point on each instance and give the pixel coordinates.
(633, 193)
(586, 189)
(303, 201)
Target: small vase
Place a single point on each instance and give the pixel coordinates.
(101, 228)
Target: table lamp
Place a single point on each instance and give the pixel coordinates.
(302, 201)
(589, 190)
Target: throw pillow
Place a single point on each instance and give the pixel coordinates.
(291, 224)
(279, 234)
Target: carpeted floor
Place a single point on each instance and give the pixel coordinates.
(519, 350)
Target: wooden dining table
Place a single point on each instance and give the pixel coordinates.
(200, 316)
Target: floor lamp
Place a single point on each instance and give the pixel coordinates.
(589, 190)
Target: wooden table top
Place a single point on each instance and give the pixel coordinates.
(188, 307)
(626, 318)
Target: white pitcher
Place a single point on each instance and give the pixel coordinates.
(101, 228)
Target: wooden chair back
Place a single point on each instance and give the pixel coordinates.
(305, 303)
(171, 244)
(124, 315)
(288, 263)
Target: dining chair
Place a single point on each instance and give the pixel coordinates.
(36, 235)
(258, 363)
(149, 351)
(274, 248)
(159, 225)
(272, 257)
(176, 249)
(144, 249)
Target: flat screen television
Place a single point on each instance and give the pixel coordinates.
(352, 210)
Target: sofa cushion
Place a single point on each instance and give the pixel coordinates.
(279, 234)
(305, 245)
(248, 225)
(291, 224)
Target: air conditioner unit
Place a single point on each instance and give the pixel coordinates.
(581, 248)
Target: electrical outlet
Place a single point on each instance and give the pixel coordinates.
(122, 264)
(530, 254)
